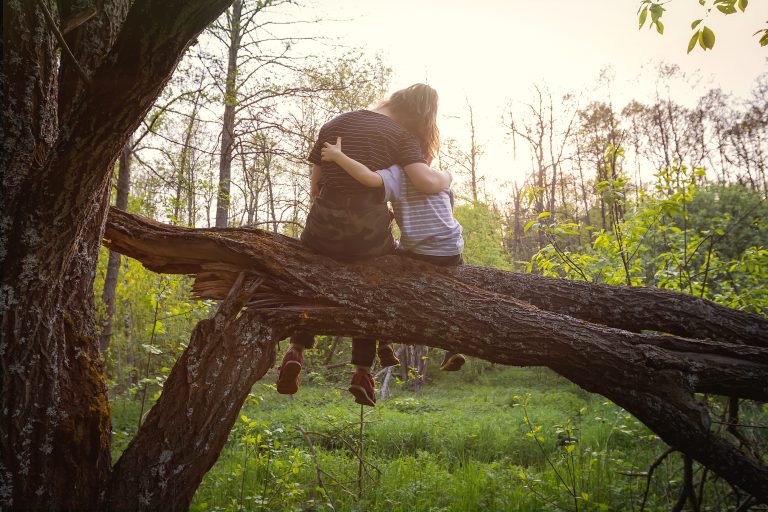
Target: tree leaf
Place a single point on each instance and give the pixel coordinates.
(726, 9)
(151, 349)
(695, 24)
(693, 41)
(708, 38)
(643, 16)
(743, 4)
(656, 12)
(659, 27)
(528, 226)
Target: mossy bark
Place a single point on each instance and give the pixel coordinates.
(60, 136)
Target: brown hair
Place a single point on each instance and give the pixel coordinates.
(415, 108)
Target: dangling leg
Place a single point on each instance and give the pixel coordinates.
(363, 386)
(289, 373)
(386, 354)
(452, 362)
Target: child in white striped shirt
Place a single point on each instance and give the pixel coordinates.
(428, 229)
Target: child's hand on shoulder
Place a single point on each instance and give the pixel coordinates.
(331, 152)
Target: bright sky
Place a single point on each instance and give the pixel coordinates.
(492, 51)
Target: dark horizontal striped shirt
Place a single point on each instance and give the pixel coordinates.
(372, 139)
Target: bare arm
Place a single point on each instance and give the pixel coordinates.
(332, 153)
(314, 179)
(426, 179)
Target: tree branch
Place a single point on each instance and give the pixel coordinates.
(410, 301)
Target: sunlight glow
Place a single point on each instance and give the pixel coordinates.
(490, 53)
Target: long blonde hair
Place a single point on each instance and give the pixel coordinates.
(415, 108)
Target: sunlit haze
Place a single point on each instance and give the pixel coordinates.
(490, 53)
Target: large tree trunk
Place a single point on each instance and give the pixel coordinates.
(60, 137)
(652, 376)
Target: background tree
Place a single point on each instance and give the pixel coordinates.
(464, 162)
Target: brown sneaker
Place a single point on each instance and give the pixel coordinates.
(452, 362)
(288, 375)
(363, 388)
(387, 355)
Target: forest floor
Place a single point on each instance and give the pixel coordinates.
(487, 438)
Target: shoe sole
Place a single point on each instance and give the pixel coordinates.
(453, 364)
(361, 395)
(288, 380)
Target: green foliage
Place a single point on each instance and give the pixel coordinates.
(483, 239)
(656, 9)
(143, 348)
(709, 241)
(448, 448)
(704, 36)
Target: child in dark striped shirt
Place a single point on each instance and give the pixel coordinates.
(428, 229)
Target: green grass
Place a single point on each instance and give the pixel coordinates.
(462, 443)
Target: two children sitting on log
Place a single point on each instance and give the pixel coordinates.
(348, 223)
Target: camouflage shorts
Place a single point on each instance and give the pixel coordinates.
(349, 234)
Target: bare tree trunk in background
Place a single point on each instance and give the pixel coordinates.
(405, 362)
(185, 182)
(271, 198)
(474, 153)
(228, 125)
(188, 162)
(384, 388)
(252, 187)
(332, 350)
(113, 264)
(513, 225)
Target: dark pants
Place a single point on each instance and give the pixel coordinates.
(363, 349)
(349, 228)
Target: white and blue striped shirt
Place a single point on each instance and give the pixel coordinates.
(426, 221)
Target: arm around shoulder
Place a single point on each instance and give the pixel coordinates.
(366, 177)
(426, 179)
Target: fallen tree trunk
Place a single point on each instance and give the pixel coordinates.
(632, 309)
(654, 377)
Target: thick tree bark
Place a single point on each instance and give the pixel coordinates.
(60, 137)
(634, 309)
(186, 429)
(653, 377)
